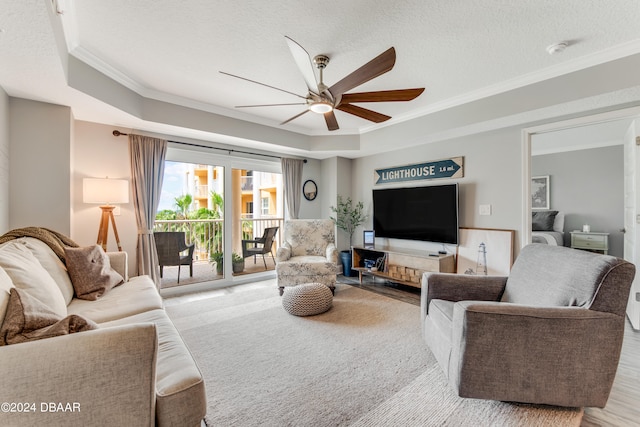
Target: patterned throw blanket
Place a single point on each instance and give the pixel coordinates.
(56, 241)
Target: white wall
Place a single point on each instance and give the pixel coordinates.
(311, 208)
(492, 175)
(96, 153)
(40, 137)
(631, 208)
(4, 161)
(327, 186)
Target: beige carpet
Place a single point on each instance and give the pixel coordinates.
(363, 363)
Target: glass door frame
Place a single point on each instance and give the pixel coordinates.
(177, 152)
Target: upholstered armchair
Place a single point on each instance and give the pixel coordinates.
(549, 333)
(308, 253)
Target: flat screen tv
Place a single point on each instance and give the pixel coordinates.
(417, 213)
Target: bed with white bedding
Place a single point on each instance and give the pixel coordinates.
(547, 227)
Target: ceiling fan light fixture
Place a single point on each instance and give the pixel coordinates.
(321, 107)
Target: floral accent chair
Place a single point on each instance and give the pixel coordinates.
(308, 253)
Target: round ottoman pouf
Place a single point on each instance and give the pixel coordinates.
(307, 299)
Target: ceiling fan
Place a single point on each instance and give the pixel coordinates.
(324, 100)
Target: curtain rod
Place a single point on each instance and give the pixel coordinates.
(228, 150)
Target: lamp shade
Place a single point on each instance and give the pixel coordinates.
(105, 190)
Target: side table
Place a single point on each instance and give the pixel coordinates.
(592, 241)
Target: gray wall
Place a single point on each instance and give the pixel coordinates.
(588, 186)
(40, 159)
(492, 175)
(4, 161)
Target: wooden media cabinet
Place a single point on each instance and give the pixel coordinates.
(403, 266)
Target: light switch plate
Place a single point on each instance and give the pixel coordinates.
(485, 209)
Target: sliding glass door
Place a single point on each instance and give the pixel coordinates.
(191, 204)
(258, 217)
(230, 211)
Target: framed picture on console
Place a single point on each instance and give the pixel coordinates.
(369, 239)
(485, 251)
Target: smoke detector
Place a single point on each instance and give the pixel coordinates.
(557, 48)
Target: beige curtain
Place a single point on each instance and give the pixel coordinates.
(147, 169)
(292, 178)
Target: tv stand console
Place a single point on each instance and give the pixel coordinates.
(403, 266)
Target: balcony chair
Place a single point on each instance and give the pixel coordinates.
(170, 245)
(267, 245)
(308, 253)
(549, 333)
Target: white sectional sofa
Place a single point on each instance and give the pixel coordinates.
(133, 370)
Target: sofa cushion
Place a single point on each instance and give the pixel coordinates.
(50, 262)
(27, 273)
(29, 319)
(90, 272)
(441, 313)
(135, 296)
(5, 290)
(556, 276)
(180, 394)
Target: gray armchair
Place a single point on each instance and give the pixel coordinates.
(550, 333)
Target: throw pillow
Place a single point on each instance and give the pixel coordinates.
(29, 319)
(5, 290)
(90, 272)
(543, 220)
(50, 262)
(28, 274)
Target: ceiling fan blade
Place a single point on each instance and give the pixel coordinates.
(303, 61)
(332, 122)
(363, 113)
(294, 117)
(372, 69)
(383, 95)
(269, 105)
(272, 87)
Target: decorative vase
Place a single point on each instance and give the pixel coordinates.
(345, 257)
(238, 267)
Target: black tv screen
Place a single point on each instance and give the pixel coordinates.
(417, 213)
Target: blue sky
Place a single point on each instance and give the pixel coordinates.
(172, 184)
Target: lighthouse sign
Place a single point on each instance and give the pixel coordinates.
(446, 168)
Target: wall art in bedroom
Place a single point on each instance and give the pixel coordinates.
(540, 192)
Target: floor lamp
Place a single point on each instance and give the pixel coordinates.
(106, 192)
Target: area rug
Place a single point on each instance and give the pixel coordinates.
(362, 363)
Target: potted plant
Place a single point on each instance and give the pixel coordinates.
(217, 257)
(348, 216)
(237, 263)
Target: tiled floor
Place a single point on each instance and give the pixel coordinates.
(204, 271)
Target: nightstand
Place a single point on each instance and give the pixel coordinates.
(592, 241)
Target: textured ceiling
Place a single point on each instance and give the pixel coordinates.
(456, 49)
(460, 51)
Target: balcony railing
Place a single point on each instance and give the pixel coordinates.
(207, 233)
(247, 183)
(202, 191)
